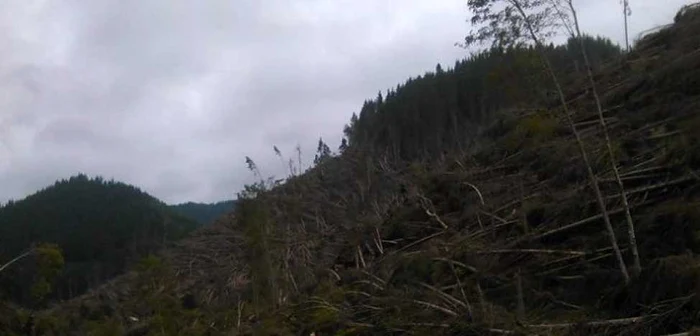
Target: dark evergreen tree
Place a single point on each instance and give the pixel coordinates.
(322, 152)
(447, 108)
(343, 145)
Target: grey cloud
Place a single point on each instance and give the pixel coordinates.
(172, 95)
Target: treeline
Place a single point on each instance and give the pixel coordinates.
(204, 213)
(445, 109)
(102, 227)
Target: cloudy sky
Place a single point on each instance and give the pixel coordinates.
(171, 95)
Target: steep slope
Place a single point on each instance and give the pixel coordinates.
(204, 213)
(502, 238)
(102, 227)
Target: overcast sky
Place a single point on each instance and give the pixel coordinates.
(171, 95)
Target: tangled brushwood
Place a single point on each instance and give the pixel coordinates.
(507, 238)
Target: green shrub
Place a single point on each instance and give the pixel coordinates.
(532, 129)
(109, 327)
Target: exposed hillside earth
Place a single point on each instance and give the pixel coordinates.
(499, 237)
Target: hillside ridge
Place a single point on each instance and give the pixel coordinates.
(204, 213)
(101, 227)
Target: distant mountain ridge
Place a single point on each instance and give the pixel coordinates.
(204, 213)
(102, 227)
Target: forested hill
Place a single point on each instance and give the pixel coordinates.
(446, 109)
(204, 213)
(101, 227)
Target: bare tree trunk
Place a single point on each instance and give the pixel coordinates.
(521, 297)
(16, 259)
(591, 175)
(301, 169)
(636, 266)
(625, 9)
